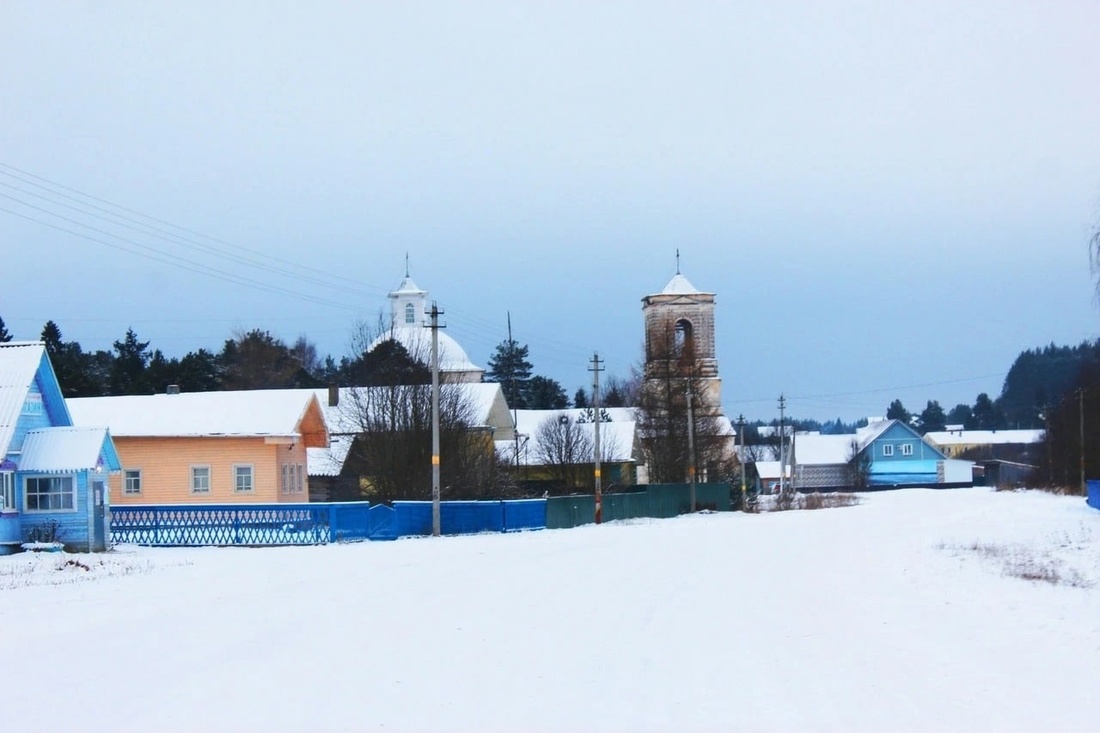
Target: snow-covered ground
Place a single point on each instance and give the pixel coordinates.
(916, 610)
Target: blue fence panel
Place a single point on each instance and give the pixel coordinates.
(1094, 493)
(382, 523)
(350, 521)
(413, 518)
(471, 517)
(520, 514)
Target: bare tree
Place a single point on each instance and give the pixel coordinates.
(671, 374)
(566, 446)
(392, 421)
(859, 466)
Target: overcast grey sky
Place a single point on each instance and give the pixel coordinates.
(889, 199)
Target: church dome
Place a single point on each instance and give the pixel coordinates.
(417, 340)
(408, 318)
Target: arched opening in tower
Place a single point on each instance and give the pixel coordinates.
(685, 342)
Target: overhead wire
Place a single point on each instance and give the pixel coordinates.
(480, 329)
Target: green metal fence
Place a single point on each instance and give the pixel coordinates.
(648, 500)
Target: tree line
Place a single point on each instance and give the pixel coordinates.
(256, 359)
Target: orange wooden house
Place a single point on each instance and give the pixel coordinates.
(209, 447)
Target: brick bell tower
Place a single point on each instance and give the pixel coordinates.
(679, 339)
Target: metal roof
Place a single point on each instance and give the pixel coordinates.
(19, 362)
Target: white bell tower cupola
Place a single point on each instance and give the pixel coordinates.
(408, 304)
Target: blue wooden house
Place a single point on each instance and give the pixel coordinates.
(884, 454)
(53, 476)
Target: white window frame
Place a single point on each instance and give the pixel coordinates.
(7, 490)
(72, 490)
(237, 467)
(887, 450)
(131, 475)
(907, 449)
(209, 479)
(410, 313)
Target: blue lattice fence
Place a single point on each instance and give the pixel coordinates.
(231, 524)
(313, 524)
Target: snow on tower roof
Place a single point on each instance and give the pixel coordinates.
(679, 285)
(407, 287)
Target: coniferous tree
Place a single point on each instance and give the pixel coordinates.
(986, 416)
(510, 368)
(128, 368)
(932, 417)
(960, 415)
(544, 393)
(5, 335)
(51, 337)
(897, 411)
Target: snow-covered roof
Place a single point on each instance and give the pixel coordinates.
(239, 413)
(984, 437)
(823, 450)
(329, 461)
(19, 361)
(485, 400)
(407, 287)
(770, 470)
(417, 340)
(617, 438)
(679, 285)
(62, 449)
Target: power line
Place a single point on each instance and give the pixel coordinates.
(186, 230)
(174, 260)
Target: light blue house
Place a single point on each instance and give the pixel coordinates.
(53, 476)
(884, 454)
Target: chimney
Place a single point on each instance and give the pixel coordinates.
(173, 389)
(333, 395)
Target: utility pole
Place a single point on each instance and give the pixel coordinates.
(1081, 406)
(741, 440)
(691, 444)
(512, 389)
(596, 369)
(782, 433)
(435, 419)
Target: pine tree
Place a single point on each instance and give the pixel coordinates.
(544, 393)
(128, 369)
(932, 418)
(897, 411)
(51, 336)
(510, 368)
(5, 335)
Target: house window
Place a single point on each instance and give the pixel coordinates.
(200, 479)
(7, 490)
(410, 313)
(131, 481)
(284, 487)
(299, 483)
(907, 449)
(242, 479)
(887, 450)
(50, 494)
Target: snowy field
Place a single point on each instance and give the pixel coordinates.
(960, 610)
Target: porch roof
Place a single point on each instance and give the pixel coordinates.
(67, 449)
